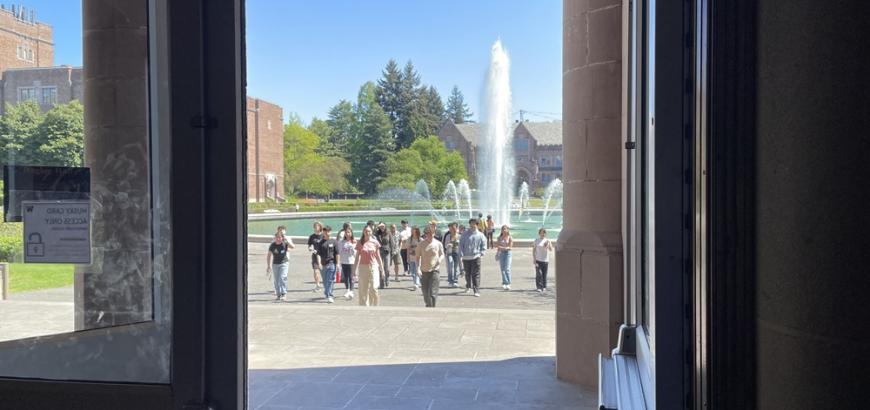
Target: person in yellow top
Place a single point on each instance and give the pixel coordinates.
(429, 254)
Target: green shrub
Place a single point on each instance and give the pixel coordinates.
(11, 242)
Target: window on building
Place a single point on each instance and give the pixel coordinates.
(24, 53)
(269, 124)
(450, 145)
(49, 95)
(521, 144)
(26, 94)
(544, 162)
(558, 161)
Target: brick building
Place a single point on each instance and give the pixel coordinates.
(265, 150)
(27, 62)
(24, 41)
(537, 148)
(46, 86)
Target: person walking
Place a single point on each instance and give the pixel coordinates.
(461, 231)
(367, 268)
(437, 232)
(413, 258)
(346, 256)
(489, 229)
(451, 250)
(278, 263)
(395, 251)
(541, 257)
(472, 247)
(504, 244)
(429, 254)
(405, 234)
(313, 245)
(383, 237)
(327, 255)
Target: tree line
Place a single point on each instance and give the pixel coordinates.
(385, 139)
(54, 138)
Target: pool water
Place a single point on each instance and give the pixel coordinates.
(525, 228)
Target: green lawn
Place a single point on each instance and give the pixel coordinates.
(28, 277)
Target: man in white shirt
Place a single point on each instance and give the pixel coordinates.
(429, 253)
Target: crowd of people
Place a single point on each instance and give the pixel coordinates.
(363, 265)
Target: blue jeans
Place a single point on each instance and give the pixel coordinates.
(328, 276)
(279, 278)
(504, 264)
(415, 274)
(454, 268)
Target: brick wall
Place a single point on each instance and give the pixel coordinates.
(36, 36)
(66, 80)
(265, 149)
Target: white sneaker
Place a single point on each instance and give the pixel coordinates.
(452, 285)
(476, 294)
(540, 290)
(351, 296)
(467, 290)
(507, 287)
(504, 287)
(330, 300)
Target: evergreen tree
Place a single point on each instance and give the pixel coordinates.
(342, 130)
(372, 147)
(366, 98)
(457, 110)
(428, 113)
(389, 93)
(411, 107)
(435, 106)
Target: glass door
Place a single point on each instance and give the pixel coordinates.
(115, 171)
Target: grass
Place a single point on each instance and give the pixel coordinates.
(30, 277)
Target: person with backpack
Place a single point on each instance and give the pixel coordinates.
(327, 258)
(451, 250)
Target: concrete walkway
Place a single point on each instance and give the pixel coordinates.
(492, 352)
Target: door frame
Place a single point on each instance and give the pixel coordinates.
(205, 105)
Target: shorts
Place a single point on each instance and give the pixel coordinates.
(397, 259)
(314, 262)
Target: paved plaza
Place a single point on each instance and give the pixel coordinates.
(492, 352)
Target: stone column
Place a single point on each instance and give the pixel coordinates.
(116, 288)
(589, 254)
(811, 206)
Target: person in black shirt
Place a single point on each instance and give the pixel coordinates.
(327, 253)
(278, 262)
(313, 245)
(383, 237)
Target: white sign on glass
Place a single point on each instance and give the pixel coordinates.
(57, 231)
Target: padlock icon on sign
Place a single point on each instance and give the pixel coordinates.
(35, 247)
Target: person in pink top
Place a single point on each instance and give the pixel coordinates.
(368, 267)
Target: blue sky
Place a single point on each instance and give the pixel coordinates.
(307, 55)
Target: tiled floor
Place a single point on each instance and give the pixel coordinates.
(520, 383)
(492, 352)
